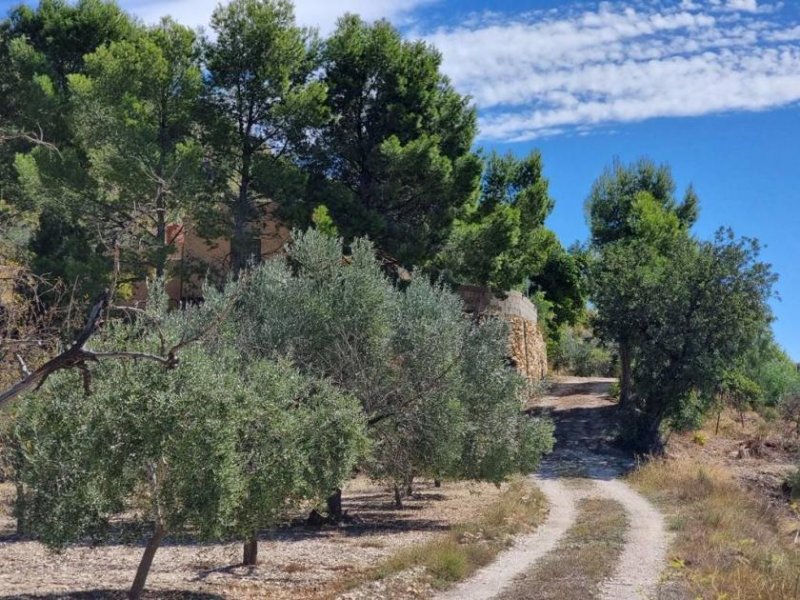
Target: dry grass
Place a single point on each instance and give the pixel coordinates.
(728, 545)
(582, 561)
(458, 553)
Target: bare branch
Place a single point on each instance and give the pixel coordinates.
(78, 355)
(34, 137)
(23, 367)
(168, 361)
(72, 357)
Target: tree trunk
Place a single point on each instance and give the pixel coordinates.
(625, 375)
(147, 560)
(250, 555)
(240, 241)
(161, 203)
(409, 486)
(652, 442)
(437, 483)
(19, 509)
(398, 498)
(334, 503)
(719, 416)
(161, 236)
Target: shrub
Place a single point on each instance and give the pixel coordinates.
(690, 415)
(577, 352)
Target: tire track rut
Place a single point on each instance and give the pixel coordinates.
(585, 421)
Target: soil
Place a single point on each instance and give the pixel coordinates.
(594, 542)
(296, 563)
(584, 464)
(759, 453)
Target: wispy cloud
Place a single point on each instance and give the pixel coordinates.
(542, 73)
(312, 13)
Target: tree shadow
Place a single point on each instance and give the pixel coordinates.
(108, 594)
(369, 513)
(581, 388)
(587, 443)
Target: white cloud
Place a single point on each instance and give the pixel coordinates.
(543, 73)
(313, 13)
(746, 5)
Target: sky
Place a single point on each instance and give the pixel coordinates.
(711, 87)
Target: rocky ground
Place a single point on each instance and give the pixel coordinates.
(296, 562)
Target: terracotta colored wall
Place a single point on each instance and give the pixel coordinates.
(195, 255)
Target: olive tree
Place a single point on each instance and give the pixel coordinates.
(694, 308)
(404, 350)
(202, 444)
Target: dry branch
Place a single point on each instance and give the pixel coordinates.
(79, 356)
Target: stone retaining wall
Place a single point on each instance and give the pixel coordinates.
(527, 348)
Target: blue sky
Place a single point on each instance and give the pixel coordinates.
(711, 87)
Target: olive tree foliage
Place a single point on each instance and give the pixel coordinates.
(209, 444)
(433, 385)
(496, 439)
(693, 307)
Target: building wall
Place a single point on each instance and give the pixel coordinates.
(195, 256)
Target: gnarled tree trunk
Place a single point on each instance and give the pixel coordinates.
(147, 560)
(250, 554)
(334, 503)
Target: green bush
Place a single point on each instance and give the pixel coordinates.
(576, 351)
(691, 413)
(773, 370)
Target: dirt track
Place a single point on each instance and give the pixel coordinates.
(585, 464)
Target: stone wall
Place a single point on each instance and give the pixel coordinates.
(527, 348)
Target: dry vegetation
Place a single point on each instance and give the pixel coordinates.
(580, 563)
(453, 530)
(723, 490)
(458, 553)
(728, 543)
(759, 450)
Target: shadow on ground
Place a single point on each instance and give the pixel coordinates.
(587, 427)
(116, 595)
